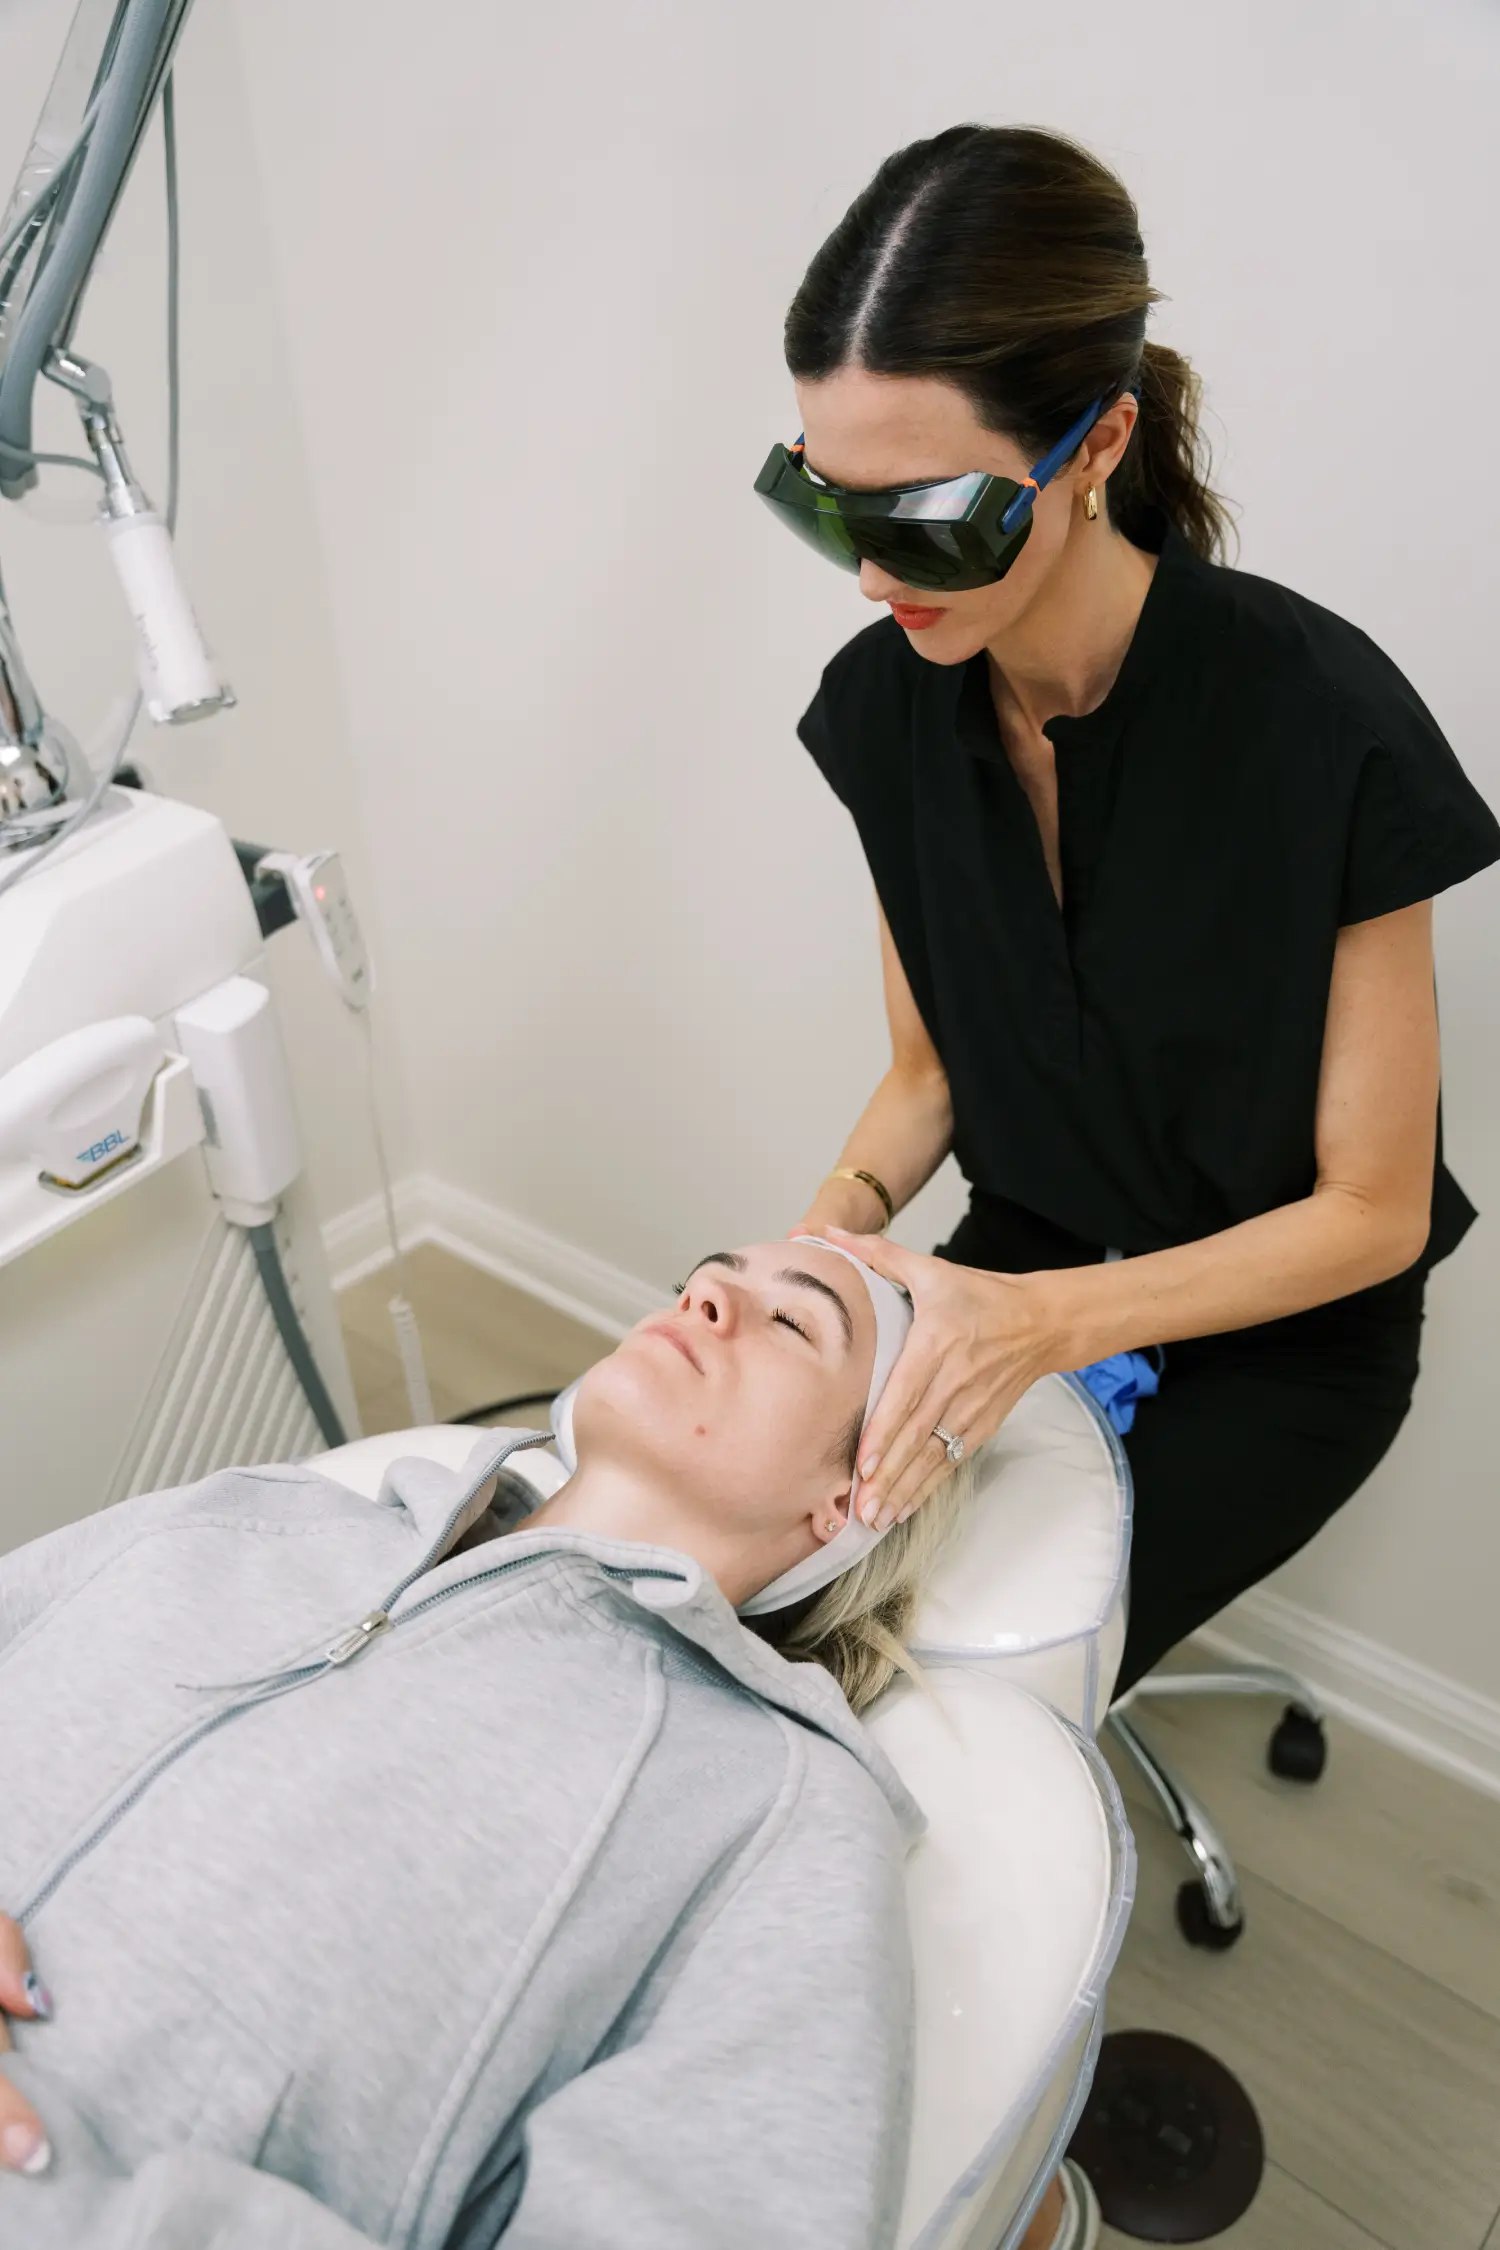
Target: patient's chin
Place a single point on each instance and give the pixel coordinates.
(645, 1404)
(639, 1398)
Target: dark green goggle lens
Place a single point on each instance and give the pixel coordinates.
(960, 544)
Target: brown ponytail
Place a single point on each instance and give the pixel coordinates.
(1008, 261)
(1164, 474)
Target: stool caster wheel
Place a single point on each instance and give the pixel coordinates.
(1298, 1750)
(1198, 1925)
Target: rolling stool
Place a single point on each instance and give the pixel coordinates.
(1209, 1909)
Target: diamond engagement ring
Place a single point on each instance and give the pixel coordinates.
(951, 1445)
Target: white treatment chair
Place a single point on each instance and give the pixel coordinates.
(1020, 1889)
(1046, 1606)
(1035, 1592)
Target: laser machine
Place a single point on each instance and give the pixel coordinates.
(164, 1303)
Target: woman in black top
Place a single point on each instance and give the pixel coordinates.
(1155, 845)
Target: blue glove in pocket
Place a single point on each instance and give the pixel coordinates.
(1117, 1382)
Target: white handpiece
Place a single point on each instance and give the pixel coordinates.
(74, 1107)
(178, 676)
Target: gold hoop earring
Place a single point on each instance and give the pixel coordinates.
(1091, 503)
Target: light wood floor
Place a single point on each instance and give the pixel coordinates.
(1361, 2009)
(482, 1341)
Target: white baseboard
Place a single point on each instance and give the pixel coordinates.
(1419, 1711)
(1375, 1688)
(572, 1281)
(356, 1243)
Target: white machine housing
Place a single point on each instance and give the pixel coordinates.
(138, 1348)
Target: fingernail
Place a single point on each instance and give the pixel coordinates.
(25, 2148)
(868, 1467)
(38, 1995)
(869, 1508)
(886, 1518)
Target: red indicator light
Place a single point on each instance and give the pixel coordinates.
(319, 893)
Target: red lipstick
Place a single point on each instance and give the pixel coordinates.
(913, 619)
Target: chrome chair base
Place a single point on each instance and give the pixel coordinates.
(1209, 1908)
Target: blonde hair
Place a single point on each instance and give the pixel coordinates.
(857, 1627)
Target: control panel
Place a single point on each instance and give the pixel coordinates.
(319, 890)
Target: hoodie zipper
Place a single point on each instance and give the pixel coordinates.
(379, 1620)
(341, 1651)
(375, 1621)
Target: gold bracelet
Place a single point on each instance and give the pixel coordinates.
(868, 1179)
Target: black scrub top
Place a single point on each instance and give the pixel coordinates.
(1140, 1067)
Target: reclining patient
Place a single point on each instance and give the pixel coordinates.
(395, 1875)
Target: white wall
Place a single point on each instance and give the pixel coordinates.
(526, 269)
(533, 266)
(277, 770)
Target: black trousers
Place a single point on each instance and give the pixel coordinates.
(1254, 1439)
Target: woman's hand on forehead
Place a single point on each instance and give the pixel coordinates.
(976, 1345)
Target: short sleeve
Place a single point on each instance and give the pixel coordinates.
(1417, 825)
(815, 733)
(857, 727)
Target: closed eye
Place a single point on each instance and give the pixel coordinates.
(787, 1322)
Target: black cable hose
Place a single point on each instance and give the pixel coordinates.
(505, 1406)
(290, 1329)
(299, 1351)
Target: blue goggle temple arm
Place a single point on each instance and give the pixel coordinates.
(1046, 469)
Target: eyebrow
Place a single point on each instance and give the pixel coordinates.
(800, 1280)
(796, 1278)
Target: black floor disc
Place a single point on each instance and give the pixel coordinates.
(1169, 2139)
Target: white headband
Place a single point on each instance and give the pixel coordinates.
(893, 1317)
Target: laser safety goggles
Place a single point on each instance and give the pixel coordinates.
(945, 538)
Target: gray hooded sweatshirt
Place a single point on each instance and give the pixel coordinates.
(556, 1911)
